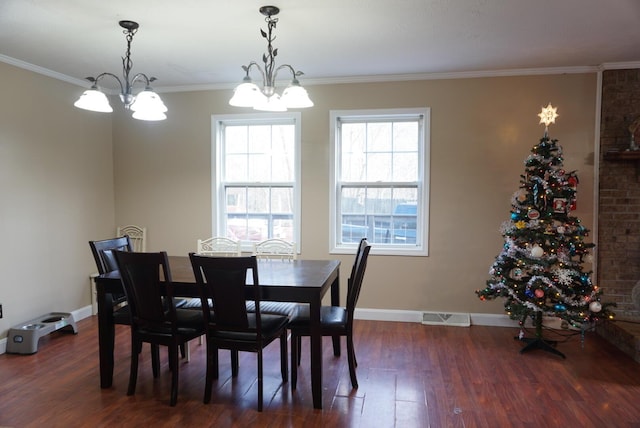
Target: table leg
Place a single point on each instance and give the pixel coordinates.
(106, 336)
(316, 353)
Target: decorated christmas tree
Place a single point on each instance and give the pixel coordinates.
(540, 272)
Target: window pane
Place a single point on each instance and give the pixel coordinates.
(405, 137)
(379, 166)
(405, 167)
(235, 168)
(258, 200)
(379, 137)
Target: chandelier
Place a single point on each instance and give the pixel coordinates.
(248, 94)
(146, 105)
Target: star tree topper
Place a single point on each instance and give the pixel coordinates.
(548, 116)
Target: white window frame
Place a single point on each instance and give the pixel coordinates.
(421, 248)
(217, 191)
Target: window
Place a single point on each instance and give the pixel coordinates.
(255, 192)
(379, 180)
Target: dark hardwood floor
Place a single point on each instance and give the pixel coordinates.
(410, 375)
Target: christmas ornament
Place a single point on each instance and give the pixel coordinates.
(560, 308)
(533, 214)
(595, 307)
(516, 274)
(539, 293)
(537, 251)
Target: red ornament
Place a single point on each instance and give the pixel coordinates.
(539, 293)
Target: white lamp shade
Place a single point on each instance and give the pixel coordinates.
(149, 115)
(246, 95)
(295, 96)
(94, 100)
(272, 103)
(148, 101)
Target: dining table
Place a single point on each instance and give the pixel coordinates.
(302, 281)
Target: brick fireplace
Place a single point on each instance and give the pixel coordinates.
(618, 246)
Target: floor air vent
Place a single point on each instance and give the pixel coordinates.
(439, 318)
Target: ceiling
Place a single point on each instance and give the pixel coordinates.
(197, 44)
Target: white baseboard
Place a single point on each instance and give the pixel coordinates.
(82, 313)
(494, 320)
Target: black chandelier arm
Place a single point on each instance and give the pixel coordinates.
(102, 75)
(142, 77)
(294, 73)
(247, 69)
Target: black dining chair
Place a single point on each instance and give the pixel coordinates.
(231, 326)
(334, 320)
(147, 282)
(106, 262)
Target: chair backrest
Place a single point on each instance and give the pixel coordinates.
(357, 257)
(225, 279)
(355, 281)
(219, 246)
(143, 275)
(137, 234)
(103, 252)
(275, 249)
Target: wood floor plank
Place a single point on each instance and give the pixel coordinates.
(409, 375)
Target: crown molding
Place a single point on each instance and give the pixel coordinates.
(353, 79)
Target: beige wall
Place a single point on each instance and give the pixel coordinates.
(56, 193)
(482, 129)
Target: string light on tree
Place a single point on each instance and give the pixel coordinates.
(540, 270)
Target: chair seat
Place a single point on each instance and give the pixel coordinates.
(274, 308)
(331, 317)
(271, 328)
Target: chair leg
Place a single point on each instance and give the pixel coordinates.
(235, 363)
(283, 357)
(351, 356)
(294, 360)
(260, 380)
(212, 370)
(336, 345)
(155, 360)
(173, 364)
(187, 352)
(133, 373)
(184, 350)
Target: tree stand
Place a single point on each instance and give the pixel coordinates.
(538, 342)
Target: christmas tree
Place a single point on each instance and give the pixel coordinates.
(540, 269)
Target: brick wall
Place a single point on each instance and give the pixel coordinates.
(618, 245)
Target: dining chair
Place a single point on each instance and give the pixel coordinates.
(275, 249)
(154, 316)
(103, 254)
(219, 246)
(231, 326)
(334, 320)
(137, 234)
(225, 247)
